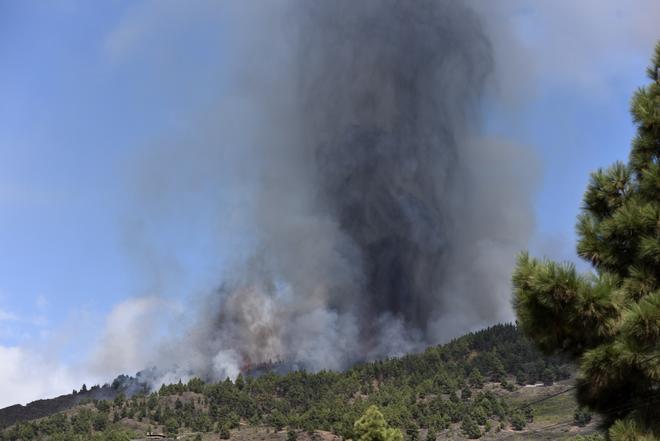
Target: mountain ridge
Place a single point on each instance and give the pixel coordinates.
(466, 386)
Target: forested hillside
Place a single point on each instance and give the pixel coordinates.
(469, 386)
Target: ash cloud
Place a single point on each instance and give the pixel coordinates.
(379, 219)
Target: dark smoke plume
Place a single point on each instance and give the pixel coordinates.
(385, 101)
(383, 222)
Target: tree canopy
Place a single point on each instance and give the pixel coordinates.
(432, 391)
(373, 427)
(609, 321)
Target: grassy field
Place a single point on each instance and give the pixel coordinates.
(553, 416)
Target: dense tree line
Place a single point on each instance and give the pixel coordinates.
(464, 382)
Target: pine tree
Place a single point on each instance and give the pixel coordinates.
(240, 382)
(476, 379)
(609, 321)
(581, 417)
(518, 420)
(470, 428)
(373, 427)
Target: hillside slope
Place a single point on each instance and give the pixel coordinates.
(123, 384)
(461, 389)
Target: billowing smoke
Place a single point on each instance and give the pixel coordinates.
(380, 219)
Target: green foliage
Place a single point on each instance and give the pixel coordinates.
(470, 428)
(630, 429)
(476, 379)
(196, 385)
(594, 437)
(100, 421)
(609, 321)
(171, 426)
(414, 392)
(479, 415)
(81, 423)
(582, 417)
(240, 382)
(548, 377)
(102, 406)
(224, 432)
(114, 435)
(518, 420)
(372, 427)
(277, 420)
(506, 385)
(119, 399)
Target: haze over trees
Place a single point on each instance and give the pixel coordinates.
(609, 321)
(463, 386)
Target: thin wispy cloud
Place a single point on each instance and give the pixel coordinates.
(6, 316)
(580, 46)
(145, 28)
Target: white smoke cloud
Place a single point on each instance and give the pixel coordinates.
(208, 185)
(28, 375)
(305, 292)
(266, 197)
(129, 336)
(269, 196)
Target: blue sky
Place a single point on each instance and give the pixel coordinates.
(90, 89)
(75, 116)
